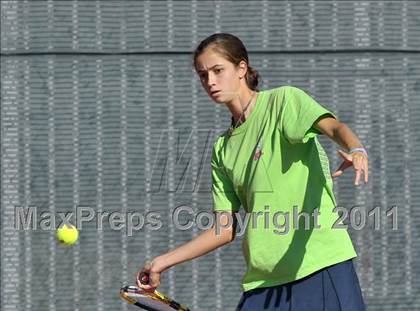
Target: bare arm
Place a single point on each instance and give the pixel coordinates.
(338, 132)
(199, 246)
(344, 136)
(206, 242)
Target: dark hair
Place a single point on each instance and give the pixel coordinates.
(232, 49)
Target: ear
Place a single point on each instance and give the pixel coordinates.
(242, 68)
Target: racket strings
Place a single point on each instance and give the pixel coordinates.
(137, 296)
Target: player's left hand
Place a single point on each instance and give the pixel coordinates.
(358, 160)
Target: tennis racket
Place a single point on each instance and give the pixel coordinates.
(151, 301)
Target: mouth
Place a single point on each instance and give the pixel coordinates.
(214, 93)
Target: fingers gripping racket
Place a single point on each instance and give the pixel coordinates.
(151, 301)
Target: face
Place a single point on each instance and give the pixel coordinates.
(218, 74)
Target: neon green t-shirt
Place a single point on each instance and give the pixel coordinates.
(274, 166)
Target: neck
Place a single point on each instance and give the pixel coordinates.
(238, 104)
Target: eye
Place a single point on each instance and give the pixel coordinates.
(219, 70)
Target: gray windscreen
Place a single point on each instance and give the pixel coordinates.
(102, 112)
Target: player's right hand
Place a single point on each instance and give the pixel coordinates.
(148, 278)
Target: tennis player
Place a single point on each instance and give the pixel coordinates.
(270, 162)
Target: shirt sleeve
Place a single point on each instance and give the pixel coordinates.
(224, 196)
(298, 115)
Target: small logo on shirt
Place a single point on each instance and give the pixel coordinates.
(258, 151)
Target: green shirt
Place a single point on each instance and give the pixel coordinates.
(273, 165)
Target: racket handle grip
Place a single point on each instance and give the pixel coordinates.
(144, 278)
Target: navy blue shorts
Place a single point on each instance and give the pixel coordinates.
(334, 288)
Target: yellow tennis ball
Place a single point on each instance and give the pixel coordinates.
(67, 234)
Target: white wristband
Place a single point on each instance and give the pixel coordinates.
(358, 150)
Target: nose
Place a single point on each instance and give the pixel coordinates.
(210, 80)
